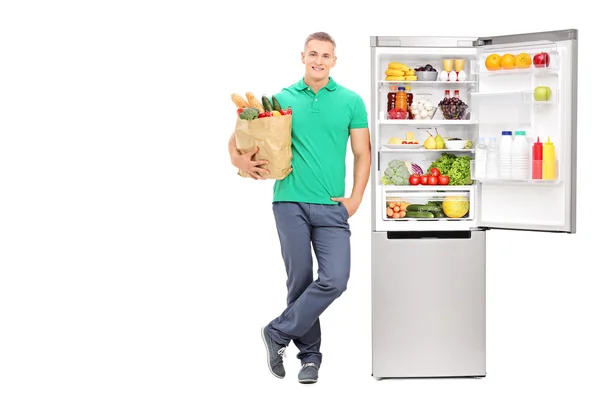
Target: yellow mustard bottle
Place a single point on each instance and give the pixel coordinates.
(549, 170)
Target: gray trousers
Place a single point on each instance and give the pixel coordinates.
(326, 228)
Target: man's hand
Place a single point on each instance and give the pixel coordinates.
(351, 204)
(244, 162)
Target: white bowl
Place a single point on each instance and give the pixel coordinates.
(455, 144)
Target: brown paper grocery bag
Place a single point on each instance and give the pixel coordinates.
(273, 136)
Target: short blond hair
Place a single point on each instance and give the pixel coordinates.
(321, 36)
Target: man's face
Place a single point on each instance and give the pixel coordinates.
(318, 59)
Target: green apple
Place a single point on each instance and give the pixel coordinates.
(542, 93)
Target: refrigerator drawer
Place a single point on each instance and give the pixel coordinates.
(428, 299)
(433, 205)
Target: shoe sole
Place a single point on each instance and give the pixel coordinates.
(307, 381)
(262, 334)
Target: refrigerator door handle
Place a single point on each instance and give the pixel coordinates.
(411, 235)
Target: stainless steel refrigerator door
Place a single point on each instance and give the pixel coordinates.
(428, 299)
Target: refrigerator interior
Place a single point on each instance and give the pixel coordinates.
(497, 100)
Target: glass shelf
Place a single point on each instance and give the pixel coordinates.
(426, 83)
(427, 122)
(424, 150)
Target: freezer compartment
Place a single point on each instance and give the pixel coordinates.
(428, 206)
(428, 304)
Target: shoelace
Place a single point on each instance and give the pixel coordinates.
(308, 365)
(281, 352)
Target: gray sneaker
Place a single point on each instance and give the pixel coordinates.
(309, 373)
(275, 354)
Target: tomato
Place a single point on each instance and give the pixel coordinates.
(444, 180)
(433, 180)
(434, 172)
(424, 179)
(414, 179)
(239, 111)
(404, 142)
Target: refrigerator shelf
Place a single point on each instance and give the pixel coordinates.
(427, 122)
(424, 150)
(427, 83)
(431, 190)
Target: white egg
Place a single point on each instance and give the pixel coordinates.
(443, 76)
(452, 76)
(417, 116)
(423, 114)
(430, 113)
(428, 106)
(462, 76)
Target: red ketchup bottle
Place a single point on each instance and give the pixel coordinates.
(536, 160)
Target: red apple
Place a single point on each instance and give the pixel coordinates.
(541, 60)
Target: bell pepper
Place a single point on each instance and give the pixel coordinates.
(286, 111)
(239, 111)
(265, 114)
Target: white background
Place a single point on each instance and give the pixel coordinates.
(135, 264)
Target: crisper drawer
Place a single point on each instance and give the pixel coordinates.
(434, 205)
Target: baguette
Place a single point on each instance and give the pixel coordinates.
(253, 101)
(239, 101)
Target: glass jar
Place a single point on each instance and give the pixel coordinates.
(423, 106)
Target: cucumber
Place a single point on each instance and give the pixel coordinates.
(439, 214)
(267, 104)
(276, 105)
(419, 214)
(424, 208)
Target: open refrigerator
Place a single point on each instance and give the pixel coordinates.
(428, 242)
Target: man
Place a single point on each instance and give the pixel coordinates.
(309, 204)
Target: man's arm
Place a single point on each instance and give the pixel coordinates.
(244, 161)
(361, 147)
(360, 141)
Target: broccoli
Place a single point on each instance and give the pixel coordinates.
(249, 113)
(396, 173)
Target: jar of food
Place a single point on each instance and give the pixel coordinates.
(422, 106)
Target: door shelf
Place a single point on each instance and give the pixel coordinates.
(513, 182)
(517, 71)
(522, 96)
(518, 182)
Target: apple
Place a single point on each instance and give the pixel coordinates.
(542, 93)
(541, 60)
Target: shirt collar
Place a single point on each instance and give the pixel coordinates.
(331, 85)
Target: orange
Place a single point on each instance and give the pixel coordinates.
(492, 62)
(523, 60)
(507, 61)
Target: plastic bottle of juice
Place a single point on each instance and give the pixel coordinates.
(391, 98)
(401, 103)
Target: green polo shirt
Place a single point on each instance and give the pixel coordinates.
(321, 126)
